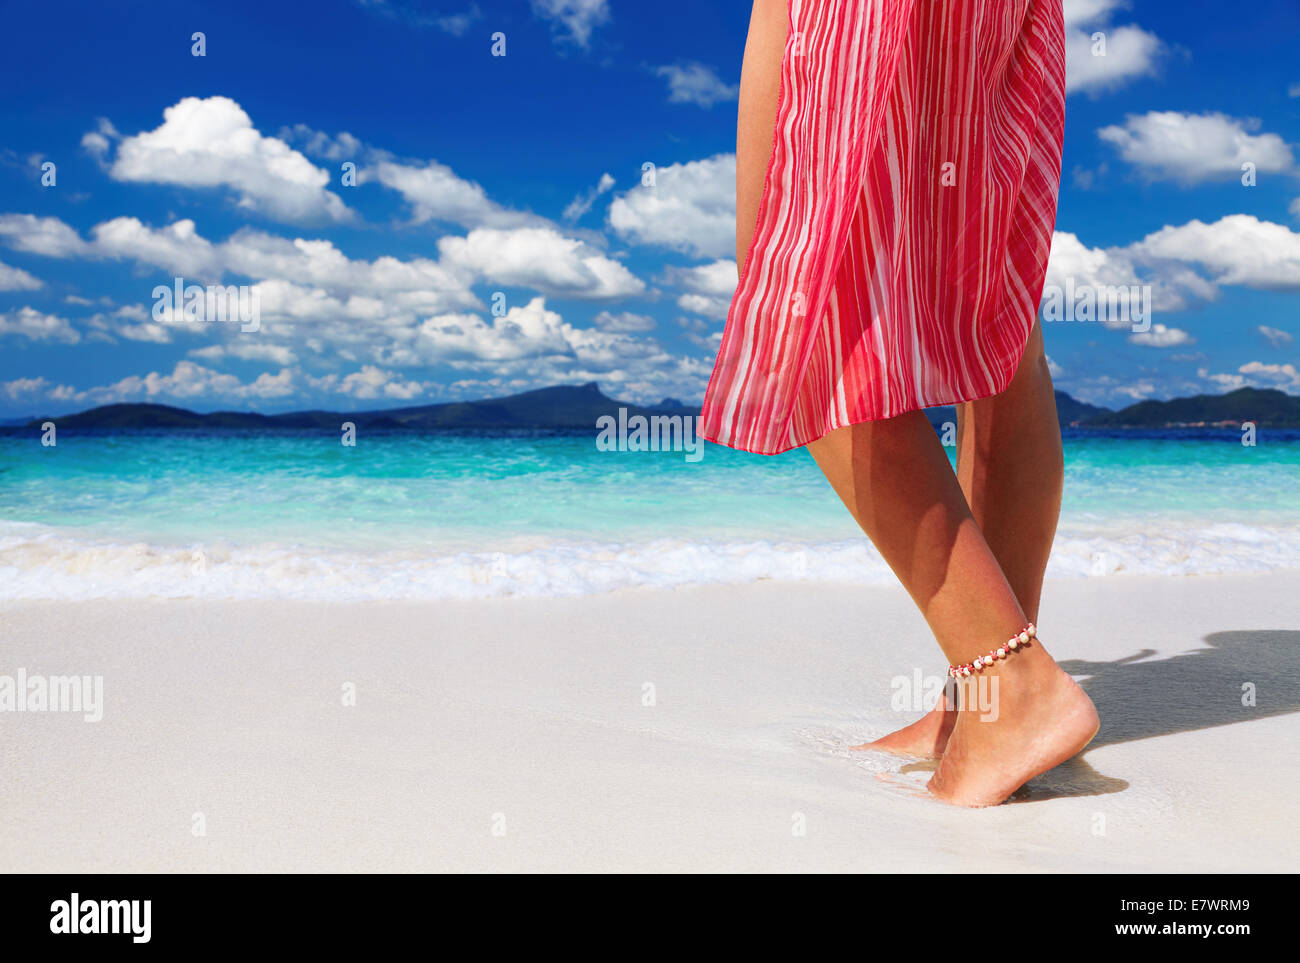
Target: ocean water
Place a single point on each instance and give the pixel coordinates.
(297, 514)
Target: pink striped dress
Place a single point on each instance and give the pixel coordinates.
(906, 216)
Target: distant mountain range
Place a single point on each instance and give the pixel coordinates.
(579, 406)
(559, 407)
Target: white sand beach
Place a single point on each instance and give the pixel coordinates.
(513, 734)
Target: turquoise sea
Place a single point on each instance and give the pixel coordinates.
(297, 514)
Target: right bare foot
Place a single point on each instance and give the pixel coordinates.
(1042, 718)
(924, 739)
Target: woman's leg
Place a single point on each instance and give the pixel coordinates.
(1010, 468)
(760, 83)
(894, 476)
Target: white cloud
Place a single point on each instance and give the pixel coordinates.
(132, 322)
(343, 147)
(47, 236)
(189, 381)
(1275, 336)
(211, 142)
(708, 287)
(581, 204)
(1256, 374)
(432, 189)
(247, 351)
(27, 322)
(1114, 272)
(694, 83)
(417, 284)
(1130, 51)
(1192, 148)
(21, 388)
(16, 279)
(99, 141)
(625, 322)
(1236, 249)
(691, 207)
(540, 258)
(436, 193)
(524, 332)
(372, 382)
(1161, 336)
(574, 19)
(177, 248)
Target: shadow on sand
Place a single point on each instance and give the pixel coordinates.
(1140, 697)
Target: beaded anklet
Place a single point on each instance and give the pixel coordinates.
(1015, 642)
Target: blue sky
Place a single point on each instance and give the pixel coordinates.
(514, 181)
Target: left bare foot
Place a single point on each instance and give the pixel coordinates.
(925, 739)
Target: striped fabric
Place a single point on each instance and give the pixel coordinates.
(906, 217)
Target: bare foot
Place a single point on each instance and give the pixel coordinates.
(924, 739)
(1042, 718)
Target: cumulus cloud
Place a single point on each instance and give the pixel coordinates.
(317, 303)
(177, 248)
(1161, 336)
(540, 258)
(131, 322)
(1256, 374)
(47, 236)
(211, 142)
(690, 207)
(16, 279)
(436, 193)
(1115, 271)
(694, 83)
(21, 388)
(247, 351)
(1100, 56)
(27, 322)
(371, 382)
(1192, 148)
(189, 381)
(708, 288)
(1236, 249)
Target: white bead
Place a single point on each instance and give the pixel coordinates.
(988, 660)
(1024, 637)
(965, 671)
(1014, 643)
(1002, 652)
(1031, 631)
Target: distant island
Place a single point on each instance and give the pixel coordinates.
(567, 407)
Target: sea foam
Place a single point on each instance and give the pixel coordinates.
(42, 562)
